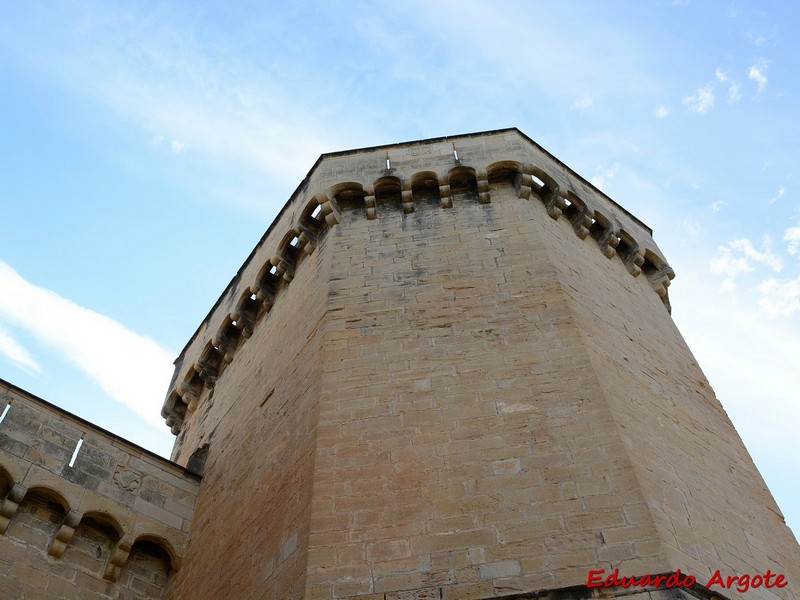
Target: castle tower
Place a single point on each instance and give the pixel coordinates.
(448, 370)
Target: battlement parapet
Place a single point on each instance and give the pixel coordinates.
(425, 175)
(69, 489)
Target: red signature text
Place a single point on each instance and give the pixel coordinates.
(742, 583)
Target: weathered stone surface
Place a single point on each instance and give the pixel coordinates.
(59, 526)
(440, 395)
(446, 371)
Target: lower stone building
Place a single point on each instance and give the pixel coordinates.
(84, 513)
(447, 370)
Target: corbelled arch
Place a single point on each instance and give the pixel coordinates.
(6, 483)
(629, 252)
(12, 473)
(388, 189)
(324, 209)
(227, 338)
(65, 498)
(604, 233)
(247, 312)
(425, 188)
(210, 364)
(98, 530)
(463, 182)
(347, 195)
(162, 542)
(658, 273)
(503, 173)
(289, 254)
(578, 213)
(544, 187)
(312, 225)
(106, 518)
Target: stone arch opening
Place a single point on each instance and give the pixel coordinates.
(6, 483)
(546, 189)
(312, 222)
(174, 411)
(653, 265)
(602, 232)
(425, 188)
(289, 253)
(227, 339)
(573, 208)
(38, 518)
(147, 568)
(190, 390)
(267, 284)
(542, 184)
(93, 541)
(388, 193)
(247, 310)
(348, 195)
(502, 174)
(627, 250)
(463, 183)
(210, 364)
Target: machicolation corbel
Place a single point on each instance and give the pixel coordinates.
(64, 534)
(323, 210)
(119, 555)
(10, 505)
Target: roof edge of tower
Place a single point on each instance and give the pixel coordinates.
(340, 153)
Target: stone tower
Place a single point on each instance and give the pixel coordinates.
(448, 370)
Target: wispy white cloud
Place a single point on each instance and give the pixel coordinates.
(792, 238)
(692, 227)
(184, 93)
(757, 73)
(609, 64)
(133, 369)
(734, 11)
(734, 95)
(778, 194)
(779, 297)
(733, 88)
(604, 175)
(16, 353)
(702, 101)
(752, 363)
(583, 103)
(717, 206)
(739, 256)
(661, 111)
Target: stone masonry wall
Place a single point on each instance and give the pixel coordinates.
(448, 371)
(111, 525)
(464, 441)
(251, 524)
(709, 503)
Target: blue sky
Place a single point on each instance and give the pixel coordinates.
(146, 147)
